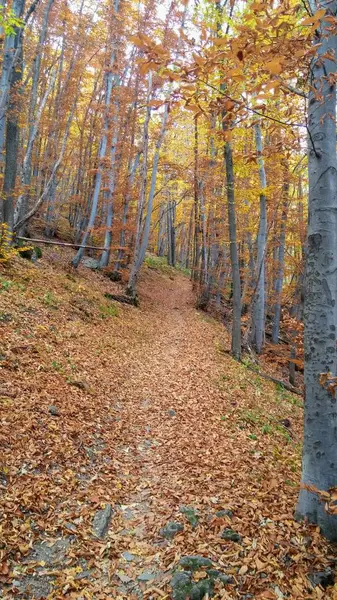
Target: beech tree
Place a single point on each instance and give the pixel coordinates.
(320, 442)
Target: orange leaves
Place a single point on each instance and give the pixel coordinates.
(274, 66)
(315, 19)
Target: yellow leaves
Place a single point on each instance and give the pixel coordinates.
(236, 74)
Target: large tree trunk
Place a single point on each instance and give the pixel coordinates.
(12, 122)
(11, 53)
(34, 120)
(319, 467)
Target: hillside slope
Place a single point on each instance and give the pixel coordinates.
(141, 410)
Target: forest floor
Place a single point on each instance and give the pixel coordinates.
(124, 426)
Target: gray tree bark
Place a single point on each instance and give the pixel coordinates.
(259, 308)
(133, 166)
(234, 254)
(34, 120)
(278, 285)
(11, 47)
(319, 464)
(11, 125)
(140, 250)
(109, 82)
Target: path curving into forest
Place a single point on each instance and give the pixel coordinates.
(156, 421)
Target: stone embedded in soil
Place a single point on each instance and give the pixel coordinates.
(54, 411)
(128, 556)
(171, 412)
(34, 586)
(181, 584)
(215, 574)
(146, 576)
(224, 513)
(323, 578)
(201, 588)
(49, 553)
(171, 529)
(101, 522)
(231, 535)
(193, 563)
(90, 263)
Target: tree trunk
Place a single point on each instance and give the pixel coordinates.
(109, 82)
(34, 120)
(258, 320)
(280, 263)
(133, 166)
(161, 230)
(196, 240)
(139, 257)
(319, 466)
(12, 123)
(11, 47)
(234, 254)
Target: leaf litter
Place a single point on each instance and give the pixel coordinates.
(111, 377)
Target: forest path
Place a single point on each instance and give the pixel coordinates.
(171, 402)
(133, 423)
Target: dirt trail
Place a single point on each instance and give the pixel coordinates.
(156, 421)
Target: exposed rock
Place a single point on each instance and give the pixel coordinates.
(90, 263)
(230, 535)
(181, 584)
(193, 563)
(50, 554)
(171, 529)
(171, 412)
(191, 515)
(101, 522)
(215, 574)
(34, 586)
(53, 410)
(323, 578)
(200, 589)
(128, 556)
(224, 513)
(146, 576)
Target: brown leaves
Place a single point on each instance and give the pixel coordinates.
(222, 450)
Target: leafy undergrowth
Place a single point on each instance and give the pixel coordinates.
(141, 409)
